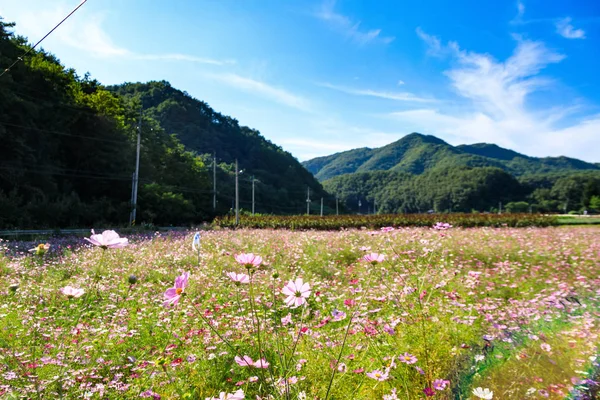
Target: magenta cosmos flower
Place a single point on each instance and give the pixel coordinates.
(107, 240)
(173, 294)
(297, 292)
(238, 395)
(373, 258)
(249, 260)
(246, 361)
(238, 278)
(71, 292)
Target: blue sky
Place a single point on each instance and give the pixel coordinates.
(318, 77)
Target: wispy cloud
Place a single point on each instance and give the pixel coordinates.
(85, 32)
(348, 27)
(335, 135)
(434, 44)
(398, 96)
(264, 90)
(566, 30)
(497, 110)
(518, 19)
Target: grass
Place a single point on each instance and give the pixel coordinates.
(512, 310)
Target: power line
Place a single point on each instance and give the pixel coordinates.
(120, 142)
(40, 41)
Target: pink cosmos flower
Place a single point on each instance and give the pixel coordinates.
(238, 395)
(249, 260)
(297, 292)
(429, 392)
(373, 258)
(173, 294)
(238, 278)
(442, 226)
(286, 320)
(440, 384)
(262, 363)
(71, 292)
(246, 361)
(408, 358)
(546, 347)
(107, 240)
(378, 375)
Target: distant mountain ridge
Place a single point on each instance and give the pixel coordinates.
(417, 153)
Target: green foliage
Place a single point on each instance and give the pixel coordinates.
(282, 181)
(595, 203)
(333, 222)
(517, 207)
(441, 190)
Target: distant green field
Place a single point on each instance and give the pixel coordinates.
(579, 220)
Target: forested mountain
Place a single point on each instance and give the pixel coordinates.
(416, 153)
(281, 180)
(68, 151)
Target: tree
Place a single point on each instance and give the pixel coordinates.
(517, 207)
(595, 203)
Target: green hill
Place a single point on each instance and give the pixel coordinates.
(416, 153)
(282, 181)
(419, 173)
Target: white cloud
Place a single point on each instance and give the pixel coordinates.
(82, 31)
(398, 96)
(400, 82)
(497, 110)
(566, 30)
(349, 28)
(263, 89)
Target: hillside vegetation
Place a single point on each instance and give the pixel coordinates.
(69, 143)
(419, 173)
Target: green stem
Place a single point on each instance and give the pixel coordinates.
(345, 338)
(214, 330)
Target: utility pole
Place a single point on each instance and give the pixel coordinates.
(500, 208)
(359, 204)
(321, 206)
(214, 180)
(136, 175)
(252, 195)
(337, 209)
(308, 200)
(237, 194)
(374, 206)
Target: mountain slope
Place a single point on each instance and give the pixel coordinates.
(282, 179)
(416, 153)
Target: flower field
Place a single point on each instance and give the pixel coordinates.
(404, 313)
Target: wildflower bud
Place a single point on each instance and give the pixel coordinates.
(275, 275)
(13, 287)
(133, 279)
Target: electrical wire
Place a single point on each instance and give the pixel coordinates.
(40, 41)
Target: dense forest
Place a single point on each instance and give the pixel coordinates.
(420, 173)
(69, 145)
